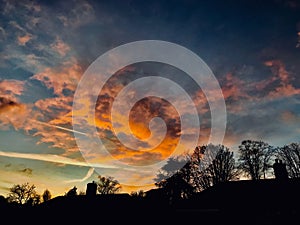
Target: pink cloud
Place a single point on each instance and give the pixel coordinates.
(289, 117)
(59, 104)
(277, 86)
(234, 88)
(11, 88)
(60, 79)
(285, 88)
(60, 47)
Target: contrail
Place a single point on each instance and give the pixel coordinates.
(88, 175)
(59, 127)
(54, 159)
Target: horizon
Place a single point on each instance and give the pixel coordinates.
(47, 47)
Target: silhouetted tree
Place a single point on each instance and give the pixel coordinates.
(23, 194)
(290, 154)
(174, 178)
(255, 158)
(207, 165)
(215, 164)
(72, 192)
(108, 185)
(223, 168)
(81, 193)
(46, 195)
(175, 164)
(176, 187)
(139, 193)
(3, 200)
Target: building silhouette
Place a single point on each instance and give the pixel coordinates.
(91, 189)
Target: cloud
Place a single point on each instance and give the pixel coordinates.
(54, 159)
(234, 88)
(26, 171)
(55, 121)
(143, 158)
(87, 176)
(55, 107)
(240, 95)
(13, 113)
(81, 13)
(22, 40)
(6, 103)
(285, 87)
(2, 34)
(59, 127)
(11, 88)
(64, 78)
(298, 41)
(17, 26)
(60, 47)
(290, 117)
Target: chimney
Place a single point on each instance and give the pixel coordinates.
(91, 189)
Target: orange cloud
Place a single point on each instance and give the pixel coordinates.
(11, 88)
(22, 40)
(13, 113)
(49, 119)
(61, 79)
(58, 105)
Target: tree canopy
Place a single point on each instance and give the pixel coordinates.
(24, 194)
(108, 185)
(255, 158)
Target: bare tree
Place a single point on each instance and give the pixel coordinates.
(108, 185)
(215, 165)
(23, 194)
(290, 154)
(255, 158)
(46, 195)
(223, 166)
(206, 166)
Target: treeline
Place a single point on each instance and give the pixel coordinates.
(209, 165)
(190, 173)
(26, 194)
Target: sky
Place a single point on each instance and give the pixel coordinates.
(46, 47)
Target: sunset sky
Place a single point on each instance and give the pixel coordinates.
(252, 48)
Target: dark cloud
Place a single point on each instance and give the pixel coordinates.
(27, 171)
(5, 102)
